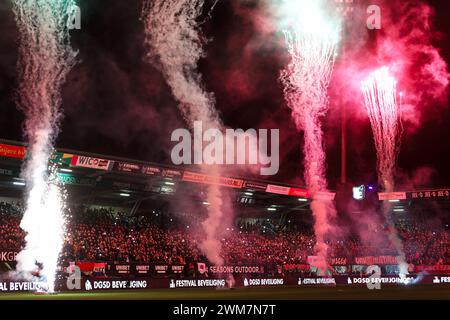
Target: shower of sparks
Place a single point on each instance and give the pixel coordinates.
(380, 97)
(312, 38)
(45, 59)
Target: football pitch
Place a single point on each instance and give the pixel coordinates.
(432, 292)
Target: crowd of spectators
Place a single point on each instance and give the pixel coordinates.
(107, 235)
(11, 235)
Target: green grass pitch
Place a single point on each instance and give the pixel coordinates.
(272, 293)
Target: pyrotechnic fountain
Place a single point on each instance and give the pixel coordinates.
(45, 58)
(380, 97)
(312, 37)
(173, 35)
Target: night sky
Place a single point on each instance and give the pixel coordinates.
(116, 103)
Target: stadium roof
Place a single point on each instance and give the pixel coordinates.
(109, 180)
(90, 177)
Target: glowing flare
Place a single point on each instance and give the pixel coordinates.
(45, 58)
(312, 37)
(380, 97)
(44, 222)
(174, 40)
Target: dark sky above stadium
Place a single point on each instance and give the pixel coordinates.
(116, 103)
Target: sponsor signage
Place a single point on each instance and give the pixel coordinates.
(107, 284)
(127, 167)
(92, 163)
(370, 260)
(151, 171)
(261, 282)
(146, 170)
(234, 269)
(8, 256)
(68, 179)
(297, 192)
(122, 268)
(438, 280)
(436, 268)
(12, 151)
(317, 281)
(23, 286)
(430, 194)
(176, 269)
(381, 280)
(130, 283)
(391, 196)
(271, 188)
(197, 283)
(161, 268)
(255, 185)
(171, 173)
(206, 179)
(61, 158)
(142, 269)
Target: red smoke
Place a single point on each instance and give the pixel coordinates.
(406, 44)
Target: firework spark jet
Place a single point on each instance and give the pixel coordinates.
(173, 36)
(45, 58)
(380, 97)
(312, 37)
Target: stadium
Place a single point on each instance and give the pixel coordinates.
(126, 232)
(241, 150)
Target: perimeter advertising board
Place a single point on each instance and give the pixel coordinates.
(9, 151)
(91, 163)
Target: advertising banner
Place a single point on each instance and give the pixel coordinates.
(77, 180)
(255, 185)
(121, 269)
(92, 163)
(68, 284)
(197, 283)
(60, 158)
(96, 284)
(143, 269)
(231, 269)
(383, 196)
(328, 281)
(151, 171)
(8, 256)
(271, 188)
(206, 179)
(22, 286)
(297, 192)
(433, 269)
(127, 167)
(370, 260)
(12, 151)
(176, 174)
(431, 194)
(263, 282)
